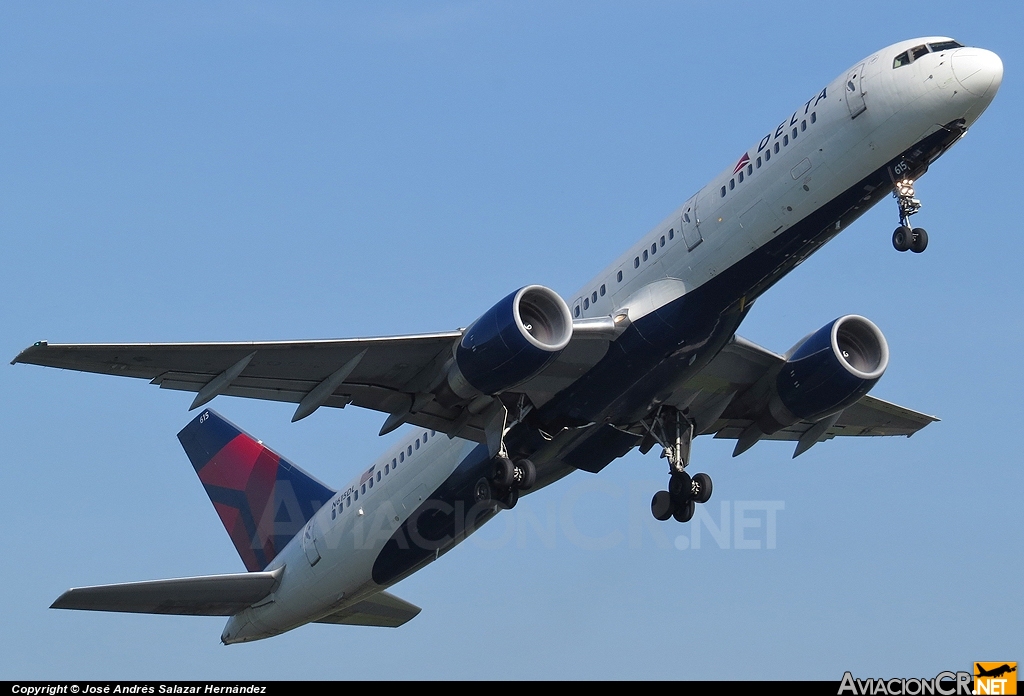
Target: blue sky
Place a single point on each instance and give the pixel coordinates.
(236, 171)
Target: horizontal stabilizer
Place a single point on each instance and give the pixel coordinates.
(382, 609)
(206, 595)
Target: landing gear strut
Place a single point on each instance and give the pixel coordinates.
(906, 237)
(674, 433)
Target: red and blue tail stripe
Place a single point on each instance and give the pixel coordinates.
(262, 499)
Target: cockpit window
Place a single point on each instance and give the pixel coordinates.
(908, 57)
(901, 60)
(944, 46)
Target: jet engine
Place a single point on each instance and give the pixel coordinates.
(511, 342)
(827, 372)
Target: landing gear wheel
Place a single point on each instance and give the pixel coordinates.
(902, 238)
(920, 242)
(509, 500)
(701, 488)
(680, 486)
(482, 491)
(504, 472)
(661, 505)
(527, 474)
(684, 513)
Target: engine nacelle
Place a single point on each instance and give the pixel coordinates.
(511, 342)
(830, 370)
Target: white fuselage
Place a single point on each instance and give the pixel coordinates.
(845, 131)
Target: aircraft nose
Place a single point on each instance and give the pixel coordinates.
(978, 71)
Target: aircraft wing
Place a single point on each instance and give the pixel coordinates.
(392, 375)
(382, 609)
(715, 397)
(381, 374)
(207, 595)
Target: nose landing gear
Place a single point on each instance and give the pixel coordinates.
(907, 238)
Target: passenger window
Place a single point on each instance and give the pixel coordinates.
(785, 140)
(409, 451)
(602, 290)
(387, 469)
(758, 162)
(364, 489)
(767, 155)
(776, 148)
(654, 249)
(814, 116)
(417, 443)
(750, 169)
(803, 125)
(741, 177)
(794, 134)
(723, 192)
(593, 298)
(357, 493)
(672, 232)
(401, 456)
(586, 303)
(576, 311)
(378, 476)
(370, 482)
(636, 262)
(663, 240)
(732, 184)
(618, 276)
(645, 254)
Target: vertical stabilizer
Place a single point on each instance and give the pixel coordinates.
(262, 499)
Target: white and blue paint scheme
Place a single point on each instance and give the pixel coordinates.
(644, 354)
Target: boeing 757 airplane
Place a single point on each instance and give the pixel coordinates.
(646, 354)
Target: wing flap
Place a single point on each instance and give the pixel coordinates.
(206, 595)
(382, 609)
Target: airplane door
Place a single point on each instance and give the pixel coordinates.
(855, 92)
(689, 224)
(309, 536)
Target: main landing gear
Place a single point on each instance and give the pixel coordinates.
(674, 433)
(907, 238)
(505, 482)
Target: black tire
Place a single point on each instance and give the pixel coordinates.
(482, 491)
(661, 505)
(504, 472)
(902, 238)
(509, 499)
(702, 486)
(680, 486)
(684, 513)
(920, 242)
(528, 474)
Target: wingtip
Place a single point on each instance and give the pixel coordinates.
(19, 356)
